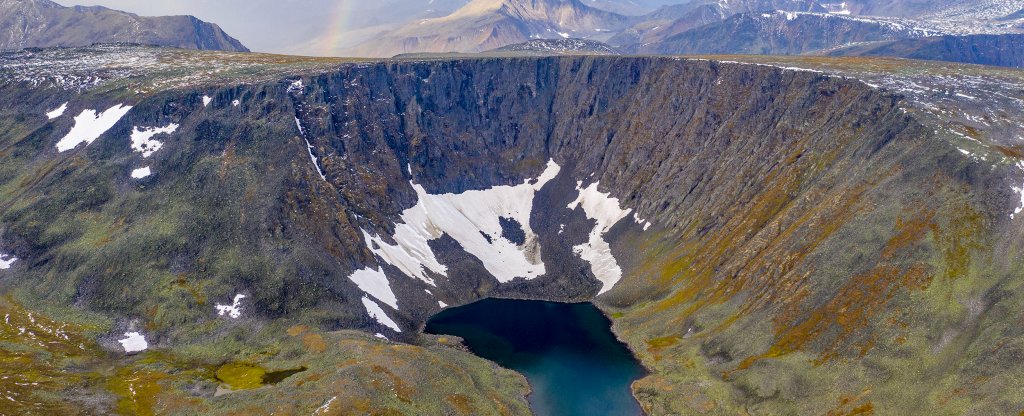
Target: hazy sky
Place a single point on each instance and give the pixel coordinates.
(312, 27)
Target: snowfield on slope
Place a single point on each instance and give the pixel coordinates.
(376, 312)
(376, 284)
(134, 342)
(89, 126)
(604, 209)
(6, 261)
(142, 173)
(142, 138)
(57, 112)
(473, 219)
(234, 310)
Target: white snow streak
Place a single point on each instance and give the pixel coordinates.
(606, 211)
(466, 217)
(134, 342)
(59, 111)
(89, 126)
(234, 310)
(142, 173)
(377, 313)
(1020, 191)
(309, 148)
(375, 283)
(322, 410)
(141, 138)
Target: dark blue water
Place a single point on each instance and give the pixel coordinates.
(567, 352)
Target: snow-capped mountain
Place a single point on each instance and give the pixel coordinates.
(675, 19)
(43, 23)
(488, 24)
(786, 33)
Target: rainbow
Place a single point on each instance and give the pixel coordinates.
(339, 20)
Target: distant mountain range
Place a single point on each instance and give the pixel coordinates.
(943, 30)
(487, 24)
(784, 33)
(971, 31)
(43, 23)
(1000, 50)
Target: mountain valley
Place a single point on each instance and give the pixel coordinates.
(845, 214)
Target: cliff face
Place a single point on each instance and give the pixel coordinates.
(787, 241)
(43, 23)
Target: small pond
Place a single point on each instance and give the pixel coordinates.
(567, 352)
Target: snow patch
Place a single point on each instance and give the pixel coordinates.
(604, 209)
(236, 103)
(377, 313)
(59, 111)
(1020, 191)
(234, 310)
(376, 284)
(134, 342)
(89, 126)
(640, 221)
(206, 100)
(141, 173)
(6, 263)
(141, 138)
(467, 218)
(442, 304)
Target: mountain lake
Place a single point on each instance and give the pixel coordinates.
(573, 362)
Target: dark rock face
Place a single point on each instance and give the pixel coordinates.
(999, 50)
(43, 23)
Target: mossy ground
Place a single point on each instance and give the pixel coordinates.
(52, 368)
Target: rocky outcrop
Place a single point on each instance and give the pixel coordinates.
(559, 46)
(43, 23)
